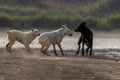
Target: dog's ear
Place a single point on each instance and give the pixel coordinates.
(32, 29)
(64, 26)
(8, 30)
(84, 23)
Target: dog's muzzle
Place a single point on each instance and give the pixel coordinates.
(38, 34)
(76, 30)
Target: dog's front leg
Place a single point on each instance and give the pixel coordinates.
(27, 48)
(54, 49)
(60, 49)
(83, 42)
(79, 42)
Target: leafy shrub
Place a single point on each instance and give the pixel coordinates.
(5, 21)
(114, 21)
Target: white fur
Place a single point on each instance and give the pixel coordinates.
(24, 38)
(53, 37)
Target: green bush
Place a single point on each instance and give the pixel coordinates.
(5, 21)
(92, 22)
(103, 14)
(108, 22)
(103, 24)
(114, 21)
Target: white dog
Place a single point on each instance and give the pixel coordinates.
(53, 37)
(24, 38)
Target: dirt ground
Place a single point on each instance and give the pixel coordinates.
(21, 65)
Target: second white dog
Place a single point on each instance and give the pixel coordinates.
(53, 37)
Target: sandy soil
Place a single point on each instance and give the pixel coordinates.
(35, 66)
(21, 65)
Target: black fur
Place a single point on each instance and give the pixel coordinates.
(86, 38)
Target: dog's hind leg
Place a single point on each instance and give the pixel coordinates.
(87, 50)
(91, 52)
(87, 44)
(78, 50)
(7, 46)
(91, 49)
(46, 49)
(10, 45)
(42, 49)
(91, 45)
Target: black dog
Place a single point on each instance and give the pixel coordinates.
(86, 38)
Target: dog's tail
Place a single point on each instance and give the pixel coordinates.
(8, 30)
